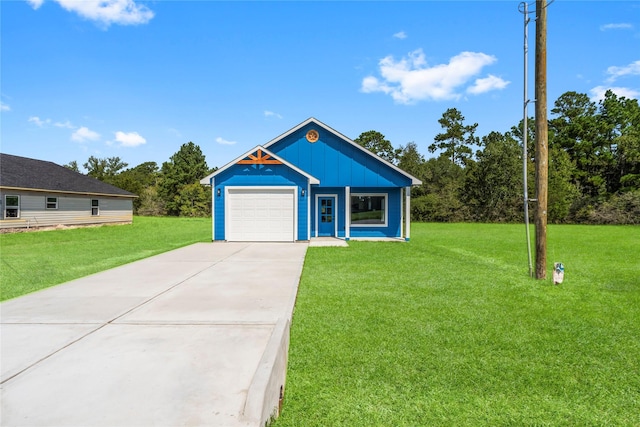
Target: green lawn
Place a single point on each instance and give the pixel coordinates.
(36, 260)
(448, 330)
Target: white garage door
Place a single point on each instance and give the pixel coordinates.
(260, 215)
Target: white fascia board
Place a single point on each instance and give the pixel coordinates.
(207, 180)
(414, 180)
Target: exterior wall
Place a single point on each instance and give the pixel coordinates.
(71, 210)
(335, 162)
(256, 176)
(394, 212)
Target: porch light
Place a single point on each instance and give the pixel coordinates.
(218, 192)
(303, 192)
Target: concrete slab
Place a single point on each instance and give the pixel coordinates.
(328, 241)
(176, 339)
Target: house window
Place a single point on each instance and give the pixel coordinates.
(95, 207)
(12, 206)
(52, 203)
(368, 210)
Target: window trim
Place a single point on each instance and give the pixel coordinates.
(96, 207)
(47, 203)
(7, 206)
(386, 209)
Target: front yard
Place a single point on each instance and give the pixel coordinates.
(449, 330)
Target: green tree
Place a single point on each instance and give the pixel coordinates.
(493, 186)
(104, 169)
(457, 139)
(151, 203)
(193, 200)
(562, 192)
(439, 198)
(619, 124)
(411, 161)
(73, 165)
(376, 142)
(575, 130)
(187, 166)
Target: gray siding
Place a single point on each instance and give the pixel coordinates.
(72, 210)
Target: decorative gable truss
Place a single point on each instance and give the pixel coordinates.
(259, 157)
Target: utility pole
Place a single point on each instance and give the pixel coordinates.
(524, 9)
(542, 137)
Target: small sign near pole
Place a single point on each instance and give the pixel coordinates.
(558, 273)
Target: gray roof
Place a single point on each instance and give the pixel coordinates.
(24, 173)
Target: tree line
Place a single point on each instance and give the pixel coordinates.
(594, 166)
(594, 169)
(173, 189)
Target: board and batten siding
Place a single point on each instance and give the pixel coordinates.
(71, 210)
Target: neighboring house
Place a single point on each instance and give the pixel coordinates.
(35, 193)
(310, 181)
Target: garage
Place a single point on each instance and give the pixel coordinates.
(260, 214)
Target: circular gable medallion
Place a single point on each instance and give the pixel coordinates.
(312, 135)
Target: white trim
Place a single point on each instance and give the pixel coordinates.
(96, 207)
(347, 212)
(5, 207)
(414, 180)
(308, 196)
(335, 210)
(401, 213)
(407, 207)
(207, 180)
(213, 210)
(386, 209)
(46, 203)
(293, 189)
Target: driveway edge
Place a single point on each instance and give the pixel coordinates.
(264, 397)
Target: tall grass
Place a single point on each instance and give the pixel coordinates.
(36, 260)
(449, 330)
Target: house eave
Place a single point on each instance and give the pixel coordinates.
(79, 193)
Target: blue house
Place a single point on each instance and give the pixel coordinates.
(311, 181)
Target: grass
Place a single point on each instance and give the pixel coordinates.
(449, 330)
(36, 260)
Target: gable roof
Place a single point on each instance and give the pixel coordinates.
(259, 158)
(414, 180)
(22, 173)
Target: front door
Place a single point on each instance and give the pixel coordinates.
(326, 216)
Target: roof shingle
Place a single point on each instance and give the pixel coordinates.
(23, 172)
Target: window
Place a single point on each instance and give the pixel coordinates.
(12, 206)
(368, 210)
(52, 203)
(95, 207)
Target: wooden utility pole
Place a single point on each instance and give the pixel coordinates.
(542, 139)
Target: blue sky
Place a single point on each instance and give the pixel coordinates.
(137, 79)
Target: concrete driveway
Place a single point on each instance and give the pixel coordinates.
(196, 336)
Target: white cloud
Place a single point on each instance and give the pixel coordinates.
(4, 107)
(105, 12)
(129, 139)
(65, 125)
(487, 84)
(614, 72)
(84, 134)
(411, 79)
(622, 26)
(597, 93)
(38, 121)
(268, 113)
(223, 141)
(35, 4)
(400, 35)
